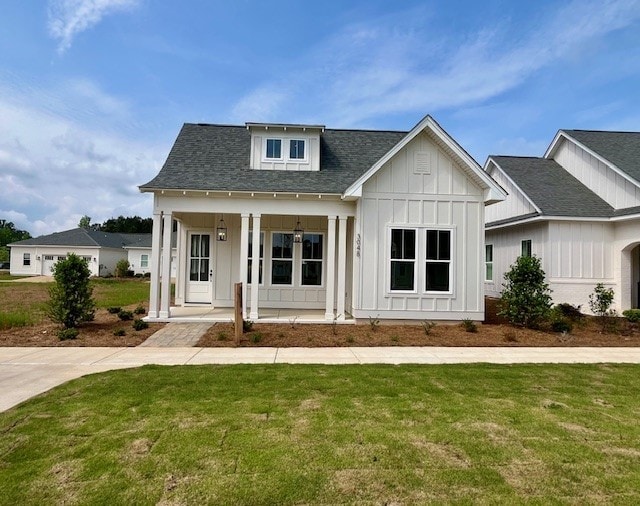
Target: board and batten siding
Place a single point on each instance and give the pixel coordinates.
(597, 176)
(515, 204)
(420, 187)
(507, 247)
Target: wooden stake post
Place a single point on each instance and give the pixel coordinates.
(238, 312)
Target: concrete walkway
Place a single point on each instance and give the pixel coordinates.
(177, 335)
(25, 372)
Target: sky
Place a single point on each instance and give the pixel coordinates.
(94, 92)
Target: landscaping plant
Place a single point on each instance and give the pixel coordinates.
(70, 296)
(526, 298)
(122, 268)
(600, 302)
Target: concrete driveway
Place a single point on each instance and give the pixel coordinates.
(25, 372)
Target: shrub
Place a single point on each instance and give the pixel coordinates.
(562, 325)
(469, 325)
(247, 325)
(119, 332)
(374, 323)
(559, 322)
(67, 333)
(526, 297)
(70, 300)
(569, 311)
(125, 315)
(428, 327)
(222, 336)
(600, 302)
(140, 310)
(256, 337)
(140, 324)
(122, 268)
(633, 315)
(114, 309)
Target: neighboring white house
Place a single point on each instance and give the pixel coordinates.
(578, 209)
(102, 250)
(139, 256)
(350, 223)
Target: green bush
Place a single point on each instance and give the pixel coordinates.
(600, 302)
(256, 337)
(119, 332)
(526, 297)
(122, 268)
(222, 336)
(67, 333)
(247, 325)
(633, 315)
(562, 325)
(469, 325)
(70, 302)
(140, 324)
(114, 309)
(125, 315)
(140, 310)
(569, 311)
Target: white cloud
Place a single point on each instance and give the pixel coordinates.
(56, 167)
(401, 65)
(68, 18)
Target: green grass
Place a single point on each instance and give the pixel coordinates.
(534, 434)
(24, 303)
(5, 276)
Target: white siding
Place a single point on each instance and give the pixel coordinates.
(312, 151)
(40, 265)
(597, 176)
(421, 187)
(108, 258)
(516, 204)
(507, 247)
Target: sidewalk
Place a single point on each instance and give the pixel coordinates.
(25, 372)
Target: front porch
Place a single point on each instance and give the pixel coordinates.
(293, 258)
(203, 314)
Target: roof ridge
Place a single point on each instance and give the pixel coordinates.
(599, 131)
(243, 127)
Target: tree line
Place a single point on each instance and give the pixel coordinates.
(121, 224)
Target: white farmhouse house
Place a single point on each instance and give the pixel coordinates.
(345, 224)
(101, 250)
(578, 209)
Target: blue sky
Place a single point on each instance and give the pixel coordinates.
(93, 92)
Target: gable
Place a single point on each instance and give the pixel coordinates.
(421, 167)
(516, 204)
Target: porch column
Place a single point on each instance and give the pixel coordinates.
(181, 268)
(342, 265)
(165, 295)
(179, 243)
(255, 267)
(156, 244)
(331, 266)
(244, 259)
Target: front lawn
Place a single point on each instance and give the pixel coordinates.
(282, 434)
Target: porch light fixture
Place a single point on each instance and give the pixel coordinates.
(298, 232)
(222, 230)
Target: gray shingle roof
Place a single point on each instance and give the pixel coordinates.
(553, 189)
(620, 148)
(216, 157)
(79, 237)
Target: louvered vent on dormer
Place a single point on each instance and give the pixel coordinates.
(422, 162)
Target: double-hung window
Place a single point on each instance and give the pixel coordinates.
(274, 149)
(438, 264)
(144, 261)
(26, 259)
(488, 262)
(281, 258)
(260, 257)
(296, 149)
(403, 259)
(312, 260)
(526, 248)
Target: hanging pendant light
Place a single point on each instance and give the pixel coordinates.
(222, 230)
(298, 232)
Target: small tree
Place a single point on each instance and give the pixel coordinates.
(526, 298)
(122, 267)
(70, 300)
(600, 302)
(85, 222)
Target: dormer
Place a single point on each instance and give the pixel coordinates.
(277, 146)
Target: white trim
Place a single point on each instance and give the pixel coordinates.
(272, 259)
(515, 185)
(486, 262)
(390, 228)
(555, 144)
(321, 260)
(495, 192)
(263, 238)
(265, 142)
(452, 250)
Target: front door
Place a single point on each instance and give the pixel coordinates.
(199, 269)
